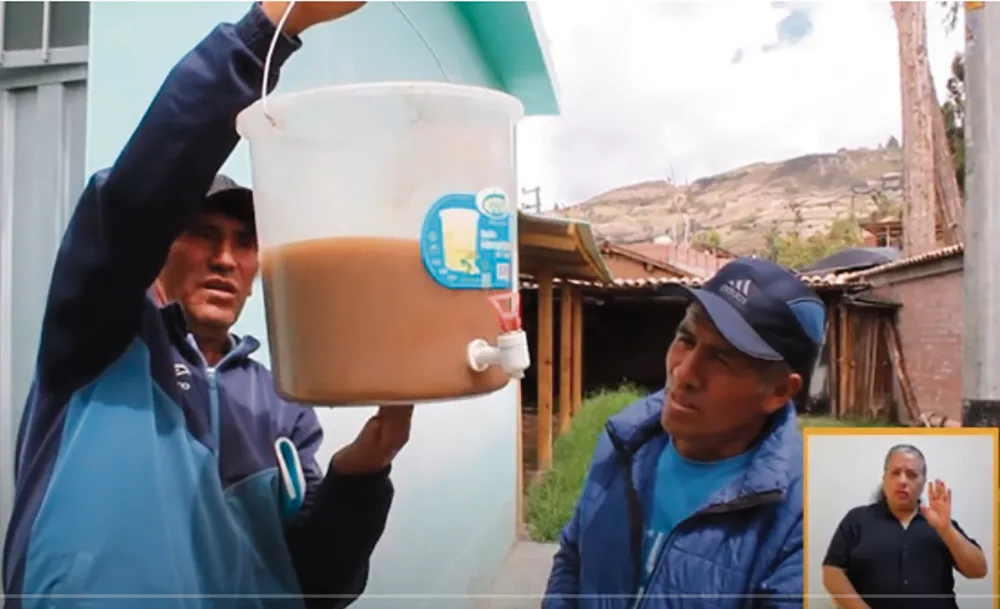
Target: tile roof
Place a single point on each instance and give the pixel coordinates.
(938, 254)
(823, 281)
(684, 258)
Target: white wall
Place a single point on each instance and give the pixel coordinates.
(453, 519)
(844, 471)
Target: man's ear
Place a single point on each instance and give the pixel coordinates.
(782, 392)
(159, 295)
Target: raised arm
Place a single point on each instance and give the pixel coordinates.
(128, 215)
(969, 558)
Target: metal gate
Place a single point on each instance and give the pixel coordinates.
(43, 73)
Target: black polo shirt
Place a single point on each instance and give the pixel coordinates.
(880, 557)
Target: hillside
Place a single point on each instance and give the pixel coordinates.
(805, 194)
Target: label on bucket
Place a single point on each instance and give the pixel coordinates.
(465, 241)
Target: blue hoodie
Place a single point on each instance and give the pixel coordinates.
(141, 473)
(744, 550)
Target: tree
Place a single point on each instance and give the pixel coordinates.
(951, 12)
(953, 110)
(884, 208)
(772, 243)
(709, 238)
(793, 251)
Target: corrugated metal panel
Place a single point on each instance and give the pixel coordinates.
(42, 148)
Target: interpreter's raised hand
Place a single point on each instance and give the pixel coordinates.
(380, 440)
(307, 14)
(938, 508)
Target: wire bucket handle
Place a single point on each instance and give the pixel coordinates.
(281, 26)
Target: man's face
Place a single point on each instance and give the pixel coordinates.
(210, 269)
(716, 396)
(903, 480)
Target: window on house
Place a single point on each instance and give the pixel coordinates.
(43, 33)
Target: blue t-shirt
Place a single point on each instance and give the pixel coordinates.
(681, 487)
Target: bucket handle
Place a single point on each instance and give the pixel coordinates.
(281, 26)
(267, 60)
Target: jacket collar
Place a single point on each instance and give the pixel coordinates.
(241, 347)
(776, 454)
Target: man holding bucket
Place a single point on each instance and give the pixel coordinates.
(154, 462)
(694, 496)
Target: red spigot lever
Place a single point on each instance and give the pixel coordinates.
(508, 307)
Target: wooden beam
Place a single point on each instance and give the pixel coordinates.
(577, 390)
(562, 243)
(846, 399)
(565, 356)
(544, 444)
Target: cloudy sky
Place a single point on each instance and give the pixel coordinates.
(688, 89)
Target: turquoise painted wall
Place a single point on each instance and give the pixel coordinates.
(454, 515)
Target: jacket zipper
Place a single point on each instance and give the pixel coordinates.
(211, 375)
(625, 459)
(212, 378)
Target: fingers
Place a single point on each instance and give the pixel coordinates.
(938, 491)
(395, 413)
(394, 427)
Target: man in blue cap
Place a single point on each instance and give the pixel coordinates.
(694, 495)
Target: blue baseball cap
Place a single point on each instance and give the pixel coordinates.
(227, 197)
(764, 311)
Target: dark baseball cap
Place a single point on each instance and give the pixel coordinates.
(764, 311)
(225, 196)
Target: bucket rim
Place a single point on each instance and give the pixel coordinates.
(510, 104)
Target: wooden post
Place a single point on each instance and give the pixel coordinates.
(544, 443)
(577, 390)
(846, 399)
(565, 356)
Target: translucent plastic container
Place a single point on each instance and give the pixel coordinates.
(387, 223)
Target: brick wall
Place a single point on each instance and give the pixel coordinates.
(930, 329)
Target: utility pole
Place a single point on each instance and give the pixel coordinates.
(981, 275)
(537, 191)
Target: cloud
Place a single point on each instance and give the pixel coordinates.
(685, 89)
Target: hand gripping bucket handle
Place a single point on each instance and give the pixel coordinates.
(281, 26)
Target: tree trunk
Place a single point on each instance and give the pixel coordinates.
(948, 195)
(919, 183)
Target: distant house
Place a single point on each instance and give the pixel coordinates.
(888, 232)
(630, 261)
(635, 260)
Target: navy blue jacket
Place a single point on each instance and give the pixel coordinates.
(743, 550)
(140, 471)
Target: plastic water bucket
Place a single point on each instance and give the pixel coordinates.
(386, 219)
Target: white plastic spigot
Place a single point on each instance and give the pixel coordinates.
(510, 352)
